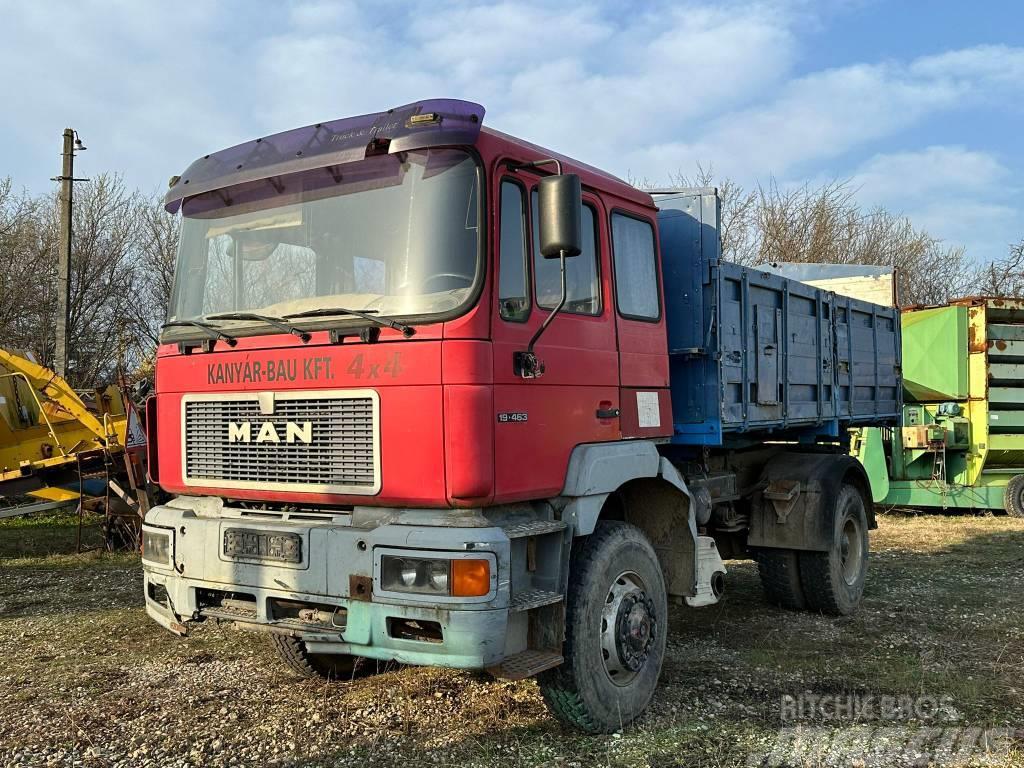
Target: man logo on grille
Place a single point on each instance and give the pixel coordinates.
(294, 432)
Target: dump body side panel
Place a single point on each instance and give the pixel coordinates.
(756, 354)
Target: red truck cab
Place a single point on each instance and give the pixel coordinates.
(457, 426)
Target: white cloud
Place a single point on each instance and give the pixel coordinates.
(959, 195)
(826, 114)
(994, 64)
(582, 79)
(311, 16)
(139, 82)
(154, 86)
(934, 172)
(645, 90)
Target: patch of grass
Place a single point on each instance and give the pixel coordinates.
(40, 520)
(42, 535)
(86, 669)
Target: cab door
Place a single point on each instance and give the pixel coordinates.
(646, 404)
(576, 400)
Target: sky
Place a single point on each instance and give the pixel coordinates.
(918, 105)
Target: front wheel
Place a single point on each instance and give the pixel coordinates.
(779, 570)
(833, 581)
(616, 622)
(332, 666)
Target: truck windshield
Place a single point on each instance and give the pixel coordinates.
(394, 235)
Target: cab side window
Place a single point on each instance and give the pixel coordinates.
(513, 284)
(583, 286)
(636, 273)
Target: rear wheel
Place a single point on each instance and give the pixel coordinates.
(333, 666)
(616, 621)
(1013, 499)
(833, 581)
(779, 570)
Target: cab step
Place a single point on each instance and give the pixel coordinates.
(533, 598)
(533, 528)
(526, 664)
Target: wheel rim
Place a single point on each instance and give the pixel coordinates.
(851, 550)
(628, 628)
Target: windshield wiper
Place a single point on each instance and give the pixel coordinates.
(214, 333)
(274, 321)
(407, 330)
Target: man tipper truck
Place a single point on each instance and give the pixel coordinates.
(961, 445)
(430, 393)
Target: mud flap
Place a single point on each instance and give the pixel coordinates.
(796, 507)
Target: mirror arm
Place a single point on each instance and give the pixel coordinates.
(526, 364)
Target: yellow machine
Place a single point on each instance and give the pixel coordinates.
(51, 437)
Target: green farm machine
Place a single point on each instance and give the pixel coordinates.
(961, 445)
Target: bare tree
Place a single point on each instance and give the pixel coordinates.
(825, 224)
(103, 278)
(119, 274)
(1004, 277)
(739, 234)
(24, 273)
(158, 234)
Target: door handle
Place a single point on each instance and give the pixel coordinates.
(607, 413)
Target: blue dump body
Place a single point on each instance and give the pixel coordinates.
(756, 356)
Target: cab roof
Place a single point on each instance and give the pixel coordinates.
(589, 175)
(421, 124)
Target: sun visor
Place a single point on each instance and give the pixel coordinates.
(423, 124)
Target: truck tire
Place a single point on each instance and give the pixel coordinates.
(332, 666)
(833, 581)
(615, 628)
(1013, 497)
(779, 570)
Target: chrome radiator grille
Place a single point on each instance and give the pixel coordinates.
(322, 442)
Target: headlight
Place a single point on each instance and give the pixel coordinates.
(435, 576)
(156, 547)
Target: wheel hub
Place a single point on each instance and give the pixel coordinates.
(629, 628)
(851, 551)
(635, 630)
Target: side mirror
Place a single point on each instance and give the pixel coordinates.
(559, 201)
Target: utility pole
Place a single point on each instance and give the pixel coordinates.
(67, 180)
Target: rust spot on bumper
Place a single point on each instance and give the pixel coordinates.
(360, 587)
(181, 630)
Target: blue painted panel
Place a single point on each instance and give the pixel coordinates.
(754, 354)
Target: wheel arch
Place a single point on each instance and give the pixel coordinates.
(632, 482)
(806, 522)
(857, 476)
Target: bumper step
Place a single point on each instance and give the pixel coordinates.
(526, 664)
(533, 528)
(534, 598)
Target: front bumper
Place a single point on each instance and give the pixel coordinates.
(331, 596)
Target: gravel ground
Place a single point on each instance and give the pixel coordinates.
(88, 680)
